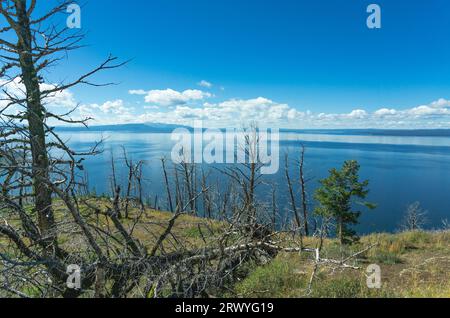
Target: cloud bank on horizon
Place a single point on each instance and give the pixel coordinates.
(184, 107)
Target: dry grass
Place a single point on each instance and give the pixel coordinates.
(414, 264)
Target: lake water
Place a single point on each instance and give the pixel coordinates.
(401, 169)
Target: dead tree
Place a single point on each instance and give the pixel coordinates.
(274, 208)
(188, 172)
(34, 44)
(113, 173)
(207, 201)
(292, 194)
(246, 176)
(415, 217)
(166, 179)
(129, 185)
(302, 222)
(303, 182)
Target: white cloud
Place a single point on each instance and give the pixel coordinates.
(205, 84)
(170, 97)
(110, 112)
(440, 103)
(151, 107)
(193, 94)
(358, 114)
(425, 111)
(115, 107)
(385, 112)
(137, 92)
(16, 89)
(233, 112)
(59, 101)
(60, 98)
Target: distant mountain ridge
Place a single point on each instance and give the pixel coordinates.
(168, 128)
(374, 132)
(131, 128)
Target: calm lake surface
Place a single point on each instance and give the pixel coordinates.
(401, 169)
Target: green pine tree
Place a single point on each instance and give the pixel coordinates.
(337, 197)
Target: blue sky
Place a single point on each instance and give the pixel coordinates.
(292, 63)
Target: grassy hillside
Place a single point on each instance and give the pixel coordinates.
(413, 264)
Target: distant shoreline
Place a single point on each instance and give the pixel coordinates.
(166, 128)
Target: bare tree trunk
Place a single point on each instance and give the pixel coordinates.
(178, 194)
(291, 193)
(155, 205)
(188, 182)
(166, 179)
(22, 189)
(130, 182)
(252, 185)
(113, 171)
(340, 230)
(274, 209)
(194, 185)
(36, 127)
(138, 176)
(303, 189)
(100, 283)
(116, 203)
